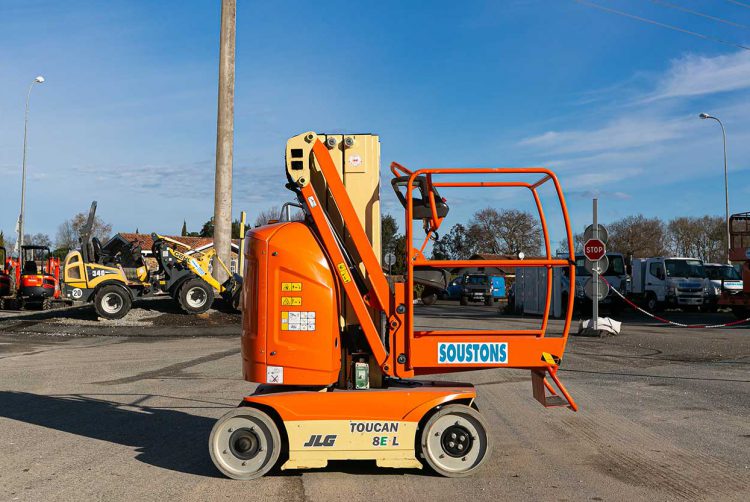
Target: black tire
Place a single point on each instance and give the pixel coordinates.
(652, 303)
(112, 302)
(488, 301)
(429, 298)
(245, 443)
(47, 304)
(195, 296)
(454, 441)
(464, 301)
(741, 312)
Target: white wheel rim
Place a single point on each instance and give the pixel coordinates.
(452, 423)
(111, 303)
(227, 452)
(196, 297)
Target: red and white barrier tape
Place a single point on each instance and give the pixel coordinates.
(667, 321)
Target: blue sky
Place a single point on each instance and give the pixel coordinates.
(128, 113)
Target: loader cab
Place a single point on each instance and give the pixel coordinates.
(35, 260)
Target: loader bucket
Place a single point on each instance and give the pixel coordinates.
(232, 291)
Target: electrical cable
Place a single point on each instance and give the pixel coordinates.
(662, 25)
(671, 5)
(741, 4)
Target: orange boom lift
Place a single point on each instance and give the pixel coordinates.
(334, 346)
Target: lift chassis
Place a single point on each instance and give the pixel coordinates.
(334, 346)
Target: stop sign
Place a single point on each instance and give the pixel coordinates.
(594, 249)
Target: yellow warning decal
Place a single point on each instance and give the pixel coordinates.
(291, 286)
(548, 358)
(344, 273)
(293, 301)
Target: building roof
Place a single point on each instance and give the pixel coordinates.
(146, 242)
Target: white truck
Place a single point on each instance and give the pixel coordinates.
(669, 282)
(722, 278)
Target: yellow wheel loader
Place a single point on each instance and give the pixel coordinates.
(114, 275)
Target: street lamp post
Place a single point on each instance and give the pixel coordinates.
(38, 80)
(726, 179)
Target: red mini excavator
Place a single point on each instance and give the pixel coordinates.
(335, 347)
(38, 277)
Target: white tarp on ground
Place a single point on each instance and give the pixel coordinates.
(603, 324)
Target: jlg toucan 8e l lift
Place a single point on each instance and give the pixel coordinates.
(334, 347)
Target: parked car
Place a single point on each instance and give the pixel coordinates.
(476, 288)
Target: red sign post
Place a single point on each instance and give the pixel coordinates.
(594, 249)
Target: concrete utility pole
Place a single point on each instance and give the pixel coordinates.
(21, 217)
(225, 140)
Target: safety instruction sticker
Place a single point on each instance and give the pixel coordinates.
(297, 321)
(291, 286)
(274, 374)
(344, 273)
(294, 301)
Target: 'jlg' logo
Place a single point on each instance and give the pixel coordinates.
(319, 440)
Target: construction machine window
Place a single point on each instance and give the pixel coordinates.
(740, 230)
(74, 271)
(34, 259)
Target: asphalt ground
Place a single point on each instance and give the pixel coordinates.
(95, 411)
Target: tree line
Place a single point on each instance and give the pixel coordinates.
(702, 237)
(489, 230)
(510, 231)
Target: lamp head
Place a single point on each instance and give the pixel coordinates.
(705, 116)
(39, 80)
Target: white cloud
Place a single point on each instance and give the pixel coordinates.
(654, 137)
(698, 75)
(595, 179)
(620, 134)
